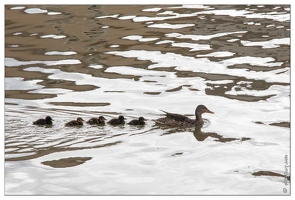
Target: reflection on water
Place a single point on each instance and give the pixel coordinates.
(92, 60)
(201, 136)
(66, 162)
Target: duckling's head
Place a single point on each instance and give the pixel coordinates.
(79, 119)
(202, 109)
(48, 118)
(141, 119)
(101, 119)
(121, 118)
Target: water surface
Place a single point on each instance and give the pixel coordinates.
(91, 60)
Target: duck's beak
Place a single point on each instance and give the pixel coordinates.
(209, 111)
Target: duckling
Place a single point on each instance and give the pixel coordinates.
(46, 121)
(99, 121)
(78, 122)
(177, 120)
(139, 121)
(118, 121)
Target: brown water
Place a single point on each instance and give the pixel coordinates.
(90, 60)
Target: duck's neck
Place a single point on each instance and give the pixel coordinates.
(198, 116)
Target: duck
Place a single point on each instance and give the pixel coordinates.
(100, 121)
(139, 121)
(177, 120)
(118, 121)
(78, 122)
(47, 121)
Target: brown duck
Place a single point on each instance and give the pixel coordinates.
(78, 122)
(177, 120)
(118, 121)
(139, 121)
(46, 121)
(99, 121)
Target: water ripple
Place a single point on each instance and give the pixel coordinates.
(135, 60)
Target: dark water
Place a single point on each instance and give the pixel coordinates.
(90, 60)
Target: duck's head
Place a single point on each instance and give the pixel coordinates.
(121, 118)
(48, 118)
(79, 119)
(202, 109)
(141, 119)
(101, 119)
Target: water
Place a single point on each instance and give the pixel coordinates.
(86, 61)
